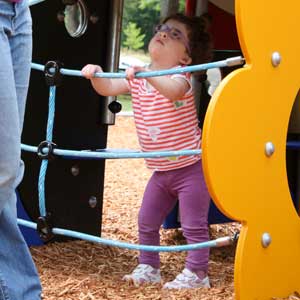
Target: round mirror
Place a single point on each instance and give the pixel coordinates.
(76, 18)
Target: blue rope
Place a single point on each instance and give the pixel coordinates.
(223, 241)
(41, 187)
(233, 61)
(106, 153)
(114, 153)
(123, 153)
(44, 164)
(51, 113)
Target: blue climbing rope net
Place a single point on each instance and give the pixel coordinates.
(112, 154)
(44, 149)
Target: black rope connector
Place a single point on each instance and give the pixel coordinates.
(45, 150)
(52, 73)
(236, 236)
(115, 107)
(44, 228)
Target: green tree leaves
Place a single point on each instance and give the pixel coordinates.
(133, 39)
(145, 14)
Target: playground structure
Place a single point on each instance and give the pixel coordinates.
(253, 142)
(248, 119)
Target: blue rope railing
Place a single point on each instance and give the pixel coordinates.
(229, 62)
(44, 149)
(117, 154)
(44, 164)
(220, 242)
(112, 153)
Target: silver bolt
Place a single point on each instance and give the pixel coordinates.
(94, 18)
(266, 240)
(60, 16)
(75, 170)
(276, 59)
(93, 201)
(269, 149)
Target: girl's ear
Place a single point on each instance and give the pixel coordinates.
(186, 60)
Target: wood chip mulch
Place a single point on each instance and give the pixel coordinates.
(80, 270)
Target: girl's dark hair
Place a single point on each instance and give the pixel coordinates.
(200, 40)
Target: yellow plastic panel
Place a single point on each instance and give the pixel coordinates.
(251, 107)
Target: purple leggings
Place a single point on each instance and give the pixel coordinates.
(161, 194)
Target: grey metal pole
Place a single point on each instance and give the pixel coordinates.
(201, 8)
(168, 7)
(114, 40)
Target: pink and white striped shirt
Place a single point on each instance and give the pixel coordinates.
(163, 124)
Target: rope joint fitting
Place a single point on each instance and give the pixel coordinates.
(44, 228)
(45, 150)
(52, 73)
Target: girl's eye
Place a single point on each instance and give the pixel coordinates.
(157, 29)
(175, 34)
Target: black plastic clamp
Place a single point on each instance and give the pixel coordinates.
(115, 107)
(52, 73)
(45, 150)
(236, 236)
(44, 228)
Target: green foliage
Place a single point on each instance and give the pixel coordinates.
(150, 4)
(181, 6)
(134, 40)
(145, 14)
(126, 103)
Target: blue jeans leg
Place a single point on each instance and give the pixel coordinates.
(18, 276)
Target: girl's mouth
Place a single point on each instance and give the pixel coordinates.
(159, 41)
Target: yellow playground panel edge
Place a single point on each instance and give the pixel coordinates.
(244, 149)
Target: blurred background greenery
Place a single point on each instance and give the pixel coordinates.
(139, 20)
(125, 100)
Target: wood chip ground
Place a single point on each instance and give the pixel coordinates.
(81, 270)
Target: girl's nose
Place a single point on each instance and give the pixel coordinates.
(163, 35)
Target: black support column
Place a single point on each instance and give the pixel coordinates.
(72, 186)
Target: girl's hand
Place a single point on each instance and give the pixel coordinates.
(89, 71)
(130, 72)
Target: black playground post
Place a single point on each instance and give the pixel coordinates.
(73, 188)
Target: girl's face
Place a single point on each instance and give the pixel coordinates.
(170, 44)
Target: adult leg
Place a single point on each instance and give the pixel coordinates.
(156, 205)
(18, 276)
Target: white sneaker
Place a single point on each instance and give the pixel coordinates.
(142, 274)
(187, 280)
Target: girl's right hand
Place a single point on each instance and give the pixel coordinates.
(89, 71)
